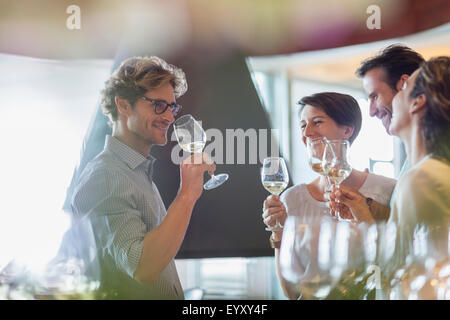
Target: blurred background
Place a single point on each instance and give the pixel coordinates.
(247, 64)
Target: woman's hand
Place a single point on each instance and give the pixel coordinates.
(274, 210)
(338, 207)
(354, 201)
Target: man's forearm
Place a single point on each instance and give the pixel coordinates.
(162, 243)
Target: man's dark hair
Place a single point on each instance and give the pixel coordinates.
(342, 108)
(396, 60)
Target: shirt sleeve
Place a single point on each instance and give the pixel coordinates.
(108, 199)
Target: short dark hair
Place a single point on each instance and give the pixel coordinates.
(395, 60)
(342, 108)
(433, 80)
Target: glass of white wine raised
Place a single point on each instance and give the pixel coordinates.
(275, 178)
(192, 138)
(335, 162)
(314, 150)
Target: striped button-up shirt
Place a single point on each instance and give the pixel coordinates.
(117, 193)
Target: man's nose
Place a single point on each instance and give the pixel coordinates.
(168, 115)
(373, 110)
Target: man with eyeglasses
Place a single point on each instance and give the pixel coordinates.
(135, 237)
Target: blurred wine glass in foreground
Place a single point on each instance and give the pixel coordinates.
(335, 163)
(428, 275)
(308, 256)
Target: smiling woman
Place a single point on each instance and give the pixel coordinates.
(46, 109)
(333, 116)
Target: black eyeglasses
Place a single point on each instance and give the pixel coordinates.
(161, 106)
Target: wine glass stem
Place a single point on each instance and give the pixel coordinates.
(337, 212)
(328, 190)
(278, 225)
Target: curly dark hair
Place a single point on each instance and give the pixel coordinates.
(342, 108)
(395, 60)
(433, 80)
(135, 76)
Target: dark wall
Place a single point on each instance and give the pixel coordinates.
(227, 220)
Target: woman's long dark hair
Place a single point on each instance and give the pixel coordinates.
(433, 81)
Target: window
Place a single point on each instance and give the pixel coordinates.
(46, 109)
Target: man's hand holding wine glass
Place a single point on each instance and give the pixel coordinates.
(191, 174)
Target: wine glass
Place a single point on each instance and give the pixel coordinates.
(335, 163)
(348, 267)
(192, 138)
(308, 256)
(291, 266)
(428, 277)
(371, 238)
(421, 257)
(275, 178)
(314, 150)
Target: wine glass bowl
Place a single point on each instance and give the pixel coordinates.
(274, 178)
(314, 150)
(335, 163)
(192, 138)
(335, 160)
(320, 257)
(428, 273)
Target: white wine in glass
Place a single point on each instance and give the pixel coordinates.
(274, 178)
(335, 162)
(193, 147)
(275, 187)
(317, 167)
(315, 149)
(338, 175)
(192, 138)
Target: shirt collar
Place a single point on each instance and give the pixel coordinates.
(127, 154)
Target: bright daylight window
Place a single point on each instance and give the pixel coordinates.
(46, 109)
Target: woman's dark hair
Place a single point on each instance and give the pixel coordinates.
(395, 60)
(433, 80)
(342, 108)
